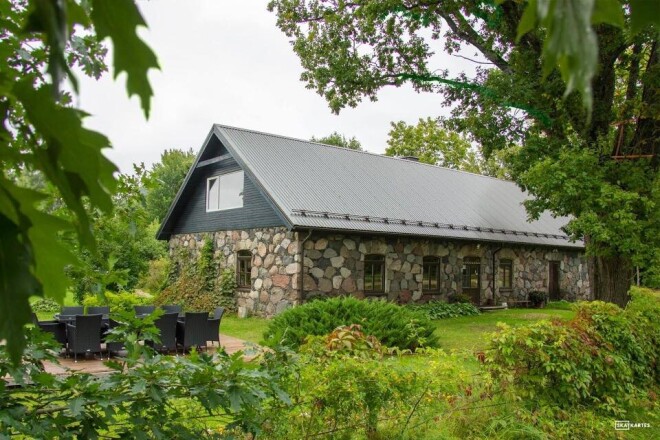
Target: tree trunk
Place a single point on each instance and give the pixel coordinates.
(612, 278)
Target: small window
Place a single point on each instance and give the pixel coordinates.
(505, 280)
(431, 274)
(471, 272)
(244, 270)
(374, 274)
(224, 192)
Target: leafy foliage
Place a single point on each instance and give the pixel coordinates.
(40, 131)
(443, 310)
(538, 298)
(339, 140)
(459, 298)
(155, 278)
(126, 242)
(571, 43)
(345, 394)
(393, 325)
(346, 340)
(599, 170)
(118, 301)
(433, 145)
(146, 395)
(196, 284)
(45, 305)
(166, 177)
(603, 357)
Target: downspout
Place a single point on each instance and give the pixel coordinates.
(301, 290)
(495, 273)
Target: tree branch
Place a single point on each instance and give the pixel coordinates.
(470, 59)
(467, 33)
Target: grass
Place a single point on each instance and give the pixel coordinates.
(471, 332)
(69, 300)
(467, 332)
(251, 329)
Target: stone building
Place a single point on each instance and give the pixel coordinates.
(296, 220)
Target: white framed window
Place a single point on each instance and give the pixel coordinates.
(224, 192)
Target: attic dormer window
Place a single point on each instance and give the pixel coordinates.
(224, 192)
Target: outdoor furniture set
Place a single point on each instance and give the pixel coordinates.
(80, 333)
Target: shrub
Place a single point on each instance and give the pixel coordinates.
(343, 396)
(442, 310)
(197, 285)
(459, 298)
(45, 305)
(603, 356)
(122, 301)
(537, 298)
(393, 325)
(155, 277)
(346, 340)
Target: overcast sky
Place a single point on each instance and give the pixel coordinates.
(225, 61)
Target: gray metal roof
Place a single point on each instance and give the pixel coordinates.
(326, 187)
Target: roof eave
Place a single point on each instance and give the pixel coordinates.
(161, 234)
(569, 246)
(268, 195)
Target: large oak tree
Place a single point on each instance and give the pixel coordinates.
(589, 129)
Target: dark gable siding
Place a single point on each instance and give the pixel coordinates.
(192, 217)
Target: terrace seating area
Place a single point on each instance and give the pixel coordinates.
(82, 334)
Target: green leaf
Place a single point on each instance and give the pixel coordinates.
(33, 259)
(644, 13)
(528, 20)
(571, 45)
(76, 406)
(72, 157)
(609, 12)
(17, 283)
(119, 19)
(50, 19)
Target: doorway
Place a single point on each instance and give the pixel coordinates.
(553, 282)
(472, 278)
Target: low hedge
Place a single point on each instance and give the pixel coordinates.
(393, 325)
(443, 310)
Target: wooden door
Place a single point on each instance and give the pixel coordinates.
(553, 283)
(472, 278)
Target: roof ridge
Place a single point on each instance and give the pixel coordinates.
(361, 152)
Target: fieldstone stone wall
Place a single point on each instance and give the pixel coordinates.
(275, 264)
(530, 267)
(334, 265)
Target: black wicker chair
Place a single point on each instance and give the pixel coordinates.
(172, 308)
(98, 310)
(144, 310)
(166, 323)
(112, 347)
(218, 312)
(85, 335)
(55, 328)
(192, 331)
(71, 310)
(213, 326)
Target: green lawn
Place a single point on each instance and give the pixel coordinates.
(468, 332)
(471, 332)
(251, 329)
